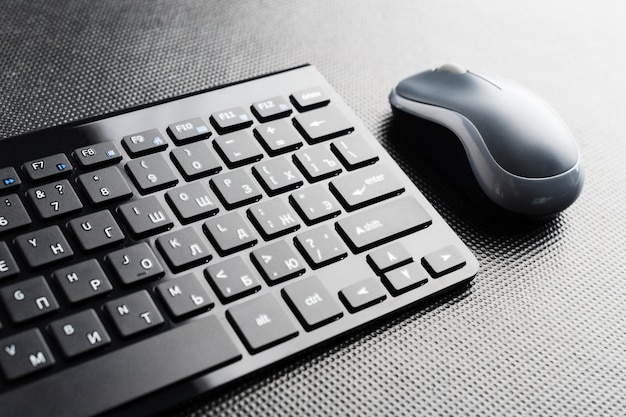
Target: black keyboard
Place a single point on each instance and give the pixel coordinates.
(158, 253)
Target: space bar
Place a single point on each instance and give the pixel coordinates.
(126, 374)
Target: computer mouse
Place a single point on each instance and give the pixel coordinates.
(521, 153)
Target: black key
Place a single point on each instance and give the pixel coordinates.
(353, 151)
(278, 137)
(105, 185)
(185, 296)
(134, 313)
(9, 179)
(272, 108)
(143, 143)
(183, 249)
(366, 186)
(8, 266)
(191, 202)
(273, 218)
(54, 199)
(83, 281)
(96, 230)
(277, 175)
(317, 163)
(312, 303)
(79, 333)
(229, 233)
(137, 369)
(135, 263)
(380, 224)
(151, 173)
(145, 217)
(389, 257)
(443, 261)
(320, 246)
(315, 204)
(235, 188)
(405, 278)
(309, 99)
(322, 124)
(52, 166)
(28, 299)
(262, 322)
(196, 160)
(277, 262)
(13, 214)
(238, 149)
(231, 119)
(44, 246)
(23, 354)
(232, 279)
(362, 294)
(189, 130)
(98, 154)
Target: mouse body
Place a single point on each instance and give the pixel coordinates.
(521, 153)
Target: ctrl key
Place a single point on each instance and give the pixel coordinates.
(23, 354)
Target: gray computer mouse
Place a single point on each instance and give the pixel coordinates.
(522, 154)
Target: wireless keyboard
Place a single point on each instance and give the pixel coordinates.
(155, 254)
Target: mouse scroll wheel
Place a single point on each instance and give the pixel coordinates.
(451, 69)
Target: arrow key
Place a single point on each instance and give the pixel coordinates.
(405, 278)
(362, 294)
(443, 261)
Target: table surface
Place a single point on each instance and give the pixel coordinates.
(542, 329)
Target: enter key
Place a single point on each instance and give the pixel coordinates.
(366, 186)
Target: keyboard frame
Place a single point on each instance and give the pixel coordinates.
(114, 126)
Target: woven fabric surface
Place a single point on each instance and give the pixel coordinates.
(542, 329)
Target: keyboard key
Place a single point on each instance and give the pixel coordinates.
(189, 130)
(362, 294)
(144, 143)
(13, 214)
(443, 261)
(28, 299)
(380, 224)
(79, 333)
(366, 186)
(277, 262)
(229, 233)
(389, 257)
(151, 173)
(196, 160)
(183, 249)
(8, 266)
(191, 202)
(262, 322)
(135, 263)
(98, 154)
(353, 151)
(23, 354)
(405, 278)
(238, 149)
(235, 188)
(317, 163)
(96, 230)
(43, 247)
(278, 137)
(320, 246)
(230, 120)
(134, 313)
(145, 217)
(315, 204)
(83, 281)
(277, 175)
(185, 296)
(9, 179)
(232, 279)
(309, 99)
(272, 108)
(54, 199)
(312, 303)
(49, 167)
(273, 218)
(105, 185)
(322, 124)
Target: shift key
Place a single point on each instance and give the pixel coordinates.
(380, 224)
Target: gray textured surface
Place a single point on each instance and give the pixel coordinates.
(542, 329)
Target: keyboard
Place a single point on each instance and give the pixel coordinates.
(158, 253)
